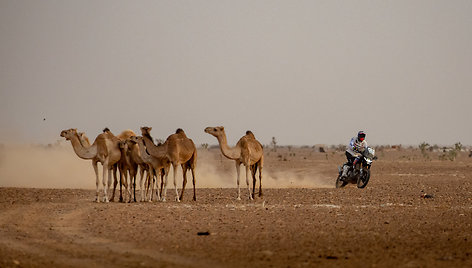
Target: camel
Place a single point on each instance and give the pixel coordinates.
(248, 151)
(158, 165)
(127, 165)
(123, 165)
(179, 150)
(135, 157)
(104, 150)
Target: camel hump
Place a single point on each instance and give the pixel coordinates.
(106, 130)
(181, 133)
(250, 134)
(126, 134)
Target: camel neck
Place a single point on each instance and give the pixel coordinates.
(136, 154)
(154, 150)
(144, 155)
(228, 152)
(81, 151)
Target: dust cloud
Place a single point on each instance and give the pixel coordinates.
(292, 179)
(37, 166)
(57, 166)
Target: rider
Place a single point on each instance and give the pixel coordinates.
(354, 151)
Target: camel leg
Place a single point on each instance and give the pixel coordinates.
(95, 168)
(253, 173)
(158, 177)
(134, 185)
(238, 172)
(104, 182)
(121, 185)
(124, 181)
(141, 173)
(248, 171)
(163, 174)
(106, 169)
(165, 187)
(260, 181)
(111, 172)
(184, 181)
(147, 182)
(193, 178)
(155, 184)
(175, 183)
(115, 181)
(129, 186)
(151, 183)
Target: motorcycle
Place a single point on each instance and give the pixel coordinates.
(360, 173)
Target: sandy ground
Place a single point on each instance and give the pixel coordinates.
(301, 220)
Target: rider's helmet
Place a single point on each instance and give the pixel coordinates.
(361, 135)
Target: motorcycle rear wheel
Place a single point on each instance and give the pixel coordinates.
(364, 179)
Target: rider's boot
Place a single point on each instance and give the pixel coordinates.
(344, 174)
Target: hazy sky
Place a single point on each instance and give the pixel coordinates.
(306, 72)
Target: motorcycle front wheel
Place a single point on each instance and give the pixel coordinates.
(339, 182)
(364, 179)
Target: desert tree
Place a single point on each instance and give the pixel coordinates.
(424, 147)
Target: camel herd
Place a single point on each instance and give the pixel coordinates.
(129, 153)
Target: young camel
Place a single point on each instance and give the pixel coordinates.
(122, 166)
(135, 156)
(127, 165)
(180, 150)
(104, 150)
(248, 151)
(159, 165)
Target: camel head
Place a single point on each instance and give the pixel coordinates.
(215, 131)
(134, 139)
(69, 133)
(146, 130)
(129, 142)
(122, 144)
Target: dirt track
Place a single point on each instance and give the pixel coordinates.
(388, 224)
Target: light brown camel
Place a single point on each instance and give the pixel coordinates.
(180, 150)
(127, 165)
(248, 151)
(121, 164)
(158, 165)
(135, 156)
(104, 150)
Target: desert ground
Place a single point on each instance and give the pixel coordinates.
(48, 217)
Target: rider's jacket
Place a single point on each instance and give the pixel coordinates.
(356, 147)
